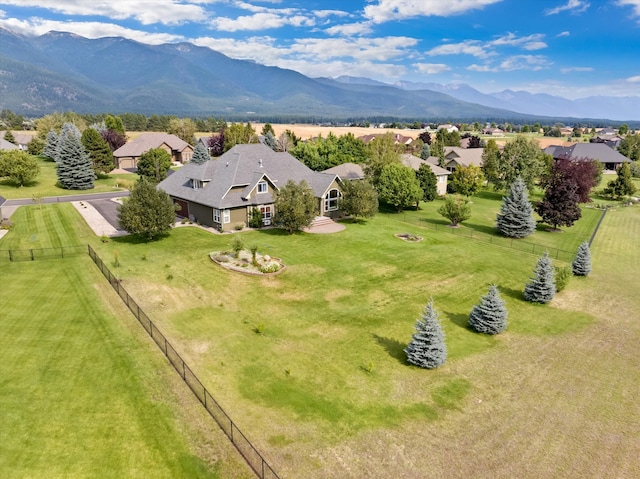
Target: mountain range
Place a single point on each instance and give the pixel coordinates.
(62, 71)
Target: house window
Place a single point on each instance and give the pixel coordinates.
(216, 215)
(266, 215)
(442, 179)
(226, 215)
(196, 184)
(262, 187)
(331, 200)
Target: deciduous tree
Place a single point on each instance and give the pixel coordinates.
(467, 180)
(559, 207)
(398, 186)
(154, 165)
(515, 219)
(147, 212)
(490, 315)
(295, 206)
(20, 167)
(456, 209)
(359, 199)
(541, 288)
(428, 182)
(382, 151)
(427, 348)
(520, 157)
(183, 128)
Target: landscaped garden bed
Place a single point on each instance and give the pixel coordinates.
(246, 262)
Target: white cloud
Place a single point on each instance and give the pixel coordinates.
(468, 47)
(349, 29)
(515, 62)
(39, 26)
(576, 69)
(388, 10)
(259, 21)
(575, 6)
(563, 34)
(534, 46)
(530, 42)
(431, 68)
(330, 13)
(635, 79)
(167, 12)
(630, 3)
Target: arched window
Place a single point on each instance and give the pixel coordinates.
(331, 200)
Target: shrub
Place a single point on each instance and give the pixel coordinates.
(6, 224)
(269, 268)
(563, 275)
(237, 246)
(239, 227)
(256, 218)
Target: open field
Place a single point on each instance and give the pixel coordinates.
(310, 363)
(45, 184)
(85, 393)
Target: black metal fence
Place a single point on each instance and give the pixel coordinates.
(240, 441)
(33, 254)
(511, 243)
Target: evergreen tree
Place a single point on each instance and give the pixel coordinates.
(427, 348)
(75, 170)
(490, 315)
(50, 149)
(581, 265)
(542, 287)
(622, 185)
(200, 154)
(428, 182)
(98, 150)
(271, 141)
(148, 212)
(8, 136)
(515, 219)
(154, 164)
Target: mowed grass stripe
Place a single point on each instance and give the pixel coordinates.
(81, 396)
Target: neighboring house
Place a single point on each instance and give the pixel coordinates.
(7, 145)
(590, 151)
(398, 139)
(347, 171)
(22, 139)
(127, 155)
(441, 174)
(456, 156)
(223, 192)
(449, 127)
(493, 131)
(608, 136)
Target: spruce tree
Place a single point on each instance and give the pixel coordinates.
(200, 154)
(515, 219)
(98, 150)
(50, 149)
(490, 315)
(581, 265)
(75, 170)
(542, 287)
(427, 348)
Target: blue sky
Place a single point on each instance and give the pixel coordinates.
(571, 48)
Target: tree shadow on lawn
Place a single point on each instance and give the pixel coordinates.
(460, 320)
(512, 293)
(394, 348)
(484, 229)
(136, 239)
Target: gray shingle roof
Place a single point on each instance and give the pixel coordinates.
(414, 162)
(347, 171)
(233, 175)
(591, 151)
(149, 141)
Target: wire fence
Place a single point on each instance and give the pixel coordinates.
(511, 243)
(33, 254)
(239, 440)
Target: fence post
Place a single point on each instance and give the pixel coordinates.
(10, 256)
(32, 258)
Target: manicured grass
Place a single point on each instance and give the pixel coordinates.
(327, 381)
(83, 391)
(45, 184)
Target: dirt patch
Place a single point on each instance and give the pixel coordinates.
(410, 238)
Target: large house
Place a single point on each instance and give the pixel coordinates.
(456, 156)
(223, 192)
(127, 155)
(600, 152)
(442, 175)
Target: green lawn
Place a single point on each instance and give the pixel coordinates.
(45, 184)
(83, 391)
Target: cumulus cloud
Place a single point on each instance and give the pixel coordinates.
(349, 29)
(530, 42)
(468, 47)
(575, 6)
(39, 26)
(387, 10)
(431, 68)
(515, 62)
(563, 34)
(635, 4)
(635, 79)
(259, 21)
(167, 12)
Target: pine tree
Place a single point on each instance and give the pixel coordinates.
(427, 348)
(542, 287)
(75, 170)
(50, 149)
(98, 150)
(490, 315)
(200, 154)
(515, 219)
(581, 265)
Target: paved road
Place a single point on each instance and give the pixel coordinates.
(63, 199)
